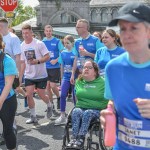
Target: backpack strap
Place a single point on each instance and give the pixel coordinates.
(2, 55)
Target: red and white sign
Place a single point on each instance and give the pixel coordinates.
(8, 5)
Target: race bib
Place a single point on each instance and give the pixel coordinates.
(51, 54)
(136, 134)
(67, 68)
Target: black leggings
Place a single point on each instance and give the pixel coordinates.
(7, 114)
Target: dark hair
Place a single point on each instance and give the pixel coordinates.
(2, 45)
(70, 38)
(4, 20)
(95, 66)
(113, 34)
(27, 26)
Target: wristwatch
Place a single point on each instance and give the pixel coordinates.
(39, 62)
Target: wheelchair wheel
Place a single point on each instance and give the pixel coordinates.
(93, 145)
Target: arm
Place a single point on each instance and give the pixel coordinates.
(18, 63)
(54, 61)
(8, 85)
(22, 69)
(60, 48)
(73, 70)
(84, 52)
(41, 60)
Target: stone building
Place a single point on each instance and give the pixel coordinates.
(65, 13)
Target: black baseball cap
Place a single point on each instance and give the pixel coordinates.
(132, 12)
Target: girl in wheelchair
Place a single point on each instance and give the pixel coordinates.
(89, 88)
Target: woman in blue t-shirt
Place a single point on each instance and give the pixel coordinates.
(127, 80)
(111, 49)
(67, 59)
(8, 101)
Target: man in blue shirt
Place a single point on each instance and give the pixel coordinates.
(54, 47)
(90, 43)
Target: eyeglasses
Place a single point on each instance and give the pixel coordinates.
(88, 67)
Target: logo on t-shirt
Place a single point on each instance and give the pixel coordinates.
(147, 87)
(89, 86)
(30, 54)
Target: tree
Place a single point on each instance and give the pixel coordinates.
(23, 13)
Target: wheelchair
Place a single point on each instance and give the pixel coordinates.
(90, 144)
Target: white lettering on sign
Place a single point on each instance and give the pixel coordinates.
(8, 2)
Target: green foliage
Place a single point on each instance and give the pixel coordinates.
(23, 13)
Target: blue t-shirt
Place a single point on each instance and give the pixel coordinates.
(104, 55)
(126, 81)
(91, 44)
(9, 69)
(54, 47)
(67, 59)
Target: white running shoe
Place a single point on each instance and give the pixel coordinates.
(61, 120)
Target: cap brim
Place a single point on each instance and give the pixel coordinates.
(126, 17)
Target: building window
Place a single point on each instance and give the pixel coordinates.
(64, 18)
(94, 16)
(104, 15)
(114, 13)
(73, 19)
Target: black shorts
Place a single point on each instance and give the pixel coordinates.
(39, 83)
(53, 75)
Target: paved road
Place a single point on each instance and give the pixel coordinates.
(42, 136)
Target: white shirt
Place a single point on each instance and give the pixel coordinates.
(37, 49)
(12, 44)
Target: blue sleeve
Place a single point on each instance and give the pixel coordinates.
(96, 56)
(60, 46)
(9, 66)
(60, 59)
(99, 44)
(75, 51)
(107, 94)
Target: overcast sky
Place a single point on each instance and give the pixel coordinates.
(32, 3)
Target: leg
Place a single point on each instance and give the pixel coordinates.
(7, 115)
(73, 95)
(41, 93)
(29, 92)
(49, 91)
(31, 104)
(76, 120)
(64, 92)
(54, 88)
(88, 115)
(53, 77)
(41, 85)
